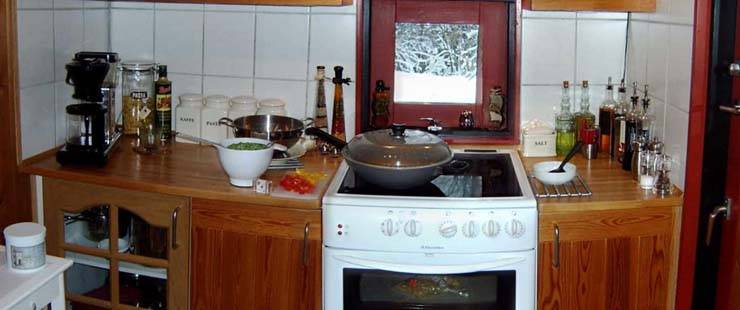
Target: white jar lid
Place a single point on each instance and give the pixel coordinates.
(25, 234)
(244, 100)
(271, 102)
(217, 101)
(191, 100)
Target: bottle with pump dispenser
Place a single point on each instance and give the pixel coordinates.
(584, 118)
(564, 124)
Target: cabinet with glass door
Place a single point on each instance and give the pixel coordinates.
(146, 266)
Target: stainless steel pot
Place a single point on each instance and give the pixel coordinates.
(279, 129)
(394, 158)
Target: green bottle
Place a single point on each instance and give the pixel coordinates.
(564, 124)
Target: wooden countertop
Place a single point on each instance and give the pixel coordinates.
(612, 187)
(188, 170)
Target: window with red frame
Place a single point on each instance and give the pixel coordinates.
(441, 57)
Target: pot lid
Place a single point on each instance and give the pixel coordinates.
(398, 147)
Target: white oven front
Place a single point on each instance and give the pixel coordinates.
(359, 280)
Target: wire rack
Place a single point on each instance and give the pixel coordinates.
(575, 188)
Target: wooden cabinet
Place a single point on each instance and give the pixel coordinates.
(147, 267)
(591, 5)
(608, 259)
(255, 257)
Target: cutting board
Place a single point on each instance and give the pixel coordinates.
(279, 191)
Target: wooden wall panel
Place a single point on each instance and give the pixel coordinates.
(15, 192)
(592, 5)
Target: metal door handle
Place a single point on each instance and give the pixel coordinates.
(730, 109)
(734, 69)
(721, 209)
(174, 228)
(305, 244)
(556, 247)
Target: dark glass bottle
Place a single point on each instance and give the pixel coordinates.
(337, 122)
(620, 119)
(630, 132)
(163, 99)
(606, 118)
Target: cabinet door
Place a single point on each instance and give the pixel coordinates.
(255, 257)
(147, 266)
(608, 259)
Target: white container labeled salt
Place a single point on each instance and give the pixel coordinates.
(25, 247)
(217, 107)
(538, 139)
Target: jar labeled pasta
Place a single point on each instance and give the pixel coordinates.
(138, 77)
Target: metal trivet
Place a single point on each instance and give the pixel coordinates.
(575, 188)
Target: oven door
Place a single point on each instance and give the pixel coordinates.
(381, 280)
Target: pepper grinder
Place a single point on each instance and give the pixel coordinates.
(663, 184)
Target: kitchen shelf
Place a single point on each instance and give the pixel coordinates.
(645, 6)
(123, 266)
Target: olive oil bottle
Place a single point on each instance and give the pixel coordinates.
(606, 118)
(565, 137)
(584, 118)
(163, 100)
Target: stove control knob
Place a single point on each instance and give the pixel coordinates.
(412, 228)
(470, 229)
(491, 228)
(515, 228)
(448, 229)
(389, 227)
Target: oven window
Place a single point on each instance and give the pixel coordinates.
(375, 289)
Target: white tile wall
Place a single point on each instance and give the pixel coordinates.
(49, 33)
(558, 46)
(229, 43)
(660, 54)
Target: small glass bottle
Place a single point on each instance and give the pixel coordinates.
(163, 99)
(381, 99)
(646, 119)
(620, 117)
(584, 118)
(564, 127)
(337, 121)
(606, 118)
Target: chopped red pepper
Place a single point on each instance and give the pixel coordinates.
(297, 183)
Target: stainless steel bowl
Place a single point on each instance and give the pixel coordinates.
(279, 129)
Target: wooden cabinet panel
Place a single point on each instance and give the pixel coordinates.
(592, 5)
(252, 257)
(630, 267)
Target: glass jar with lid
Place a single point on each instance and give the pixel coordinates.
(271, 106)
(138, 76)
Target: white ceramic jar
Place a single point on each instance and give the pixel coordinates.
(25, 247)
(241, 106)
(271, 106)
(188, 116)
(217, 107)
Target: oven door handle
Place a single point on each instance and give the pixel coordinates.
(429, 269)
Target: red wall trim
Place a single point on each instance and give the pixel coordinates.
(695, 151)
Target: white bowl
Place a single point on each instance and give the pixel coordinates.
(542, 173)
(244, 167)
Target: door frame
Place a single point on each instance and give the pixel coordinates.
(706, 152)
(15, 187)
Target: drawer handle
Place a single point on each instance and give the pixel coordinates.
(305, 244)
(556, 247)
(174, 228)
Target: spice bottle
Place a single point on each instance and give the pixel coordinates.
(188, 116)
(319, 120)
(337, 123)
(381, 99)
(217, 107)
(163, 99)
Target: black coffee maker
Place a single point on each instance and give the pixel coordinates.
(91, 124)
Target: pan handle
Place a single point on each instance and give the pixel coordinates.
(226, 122)
(334, 141)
